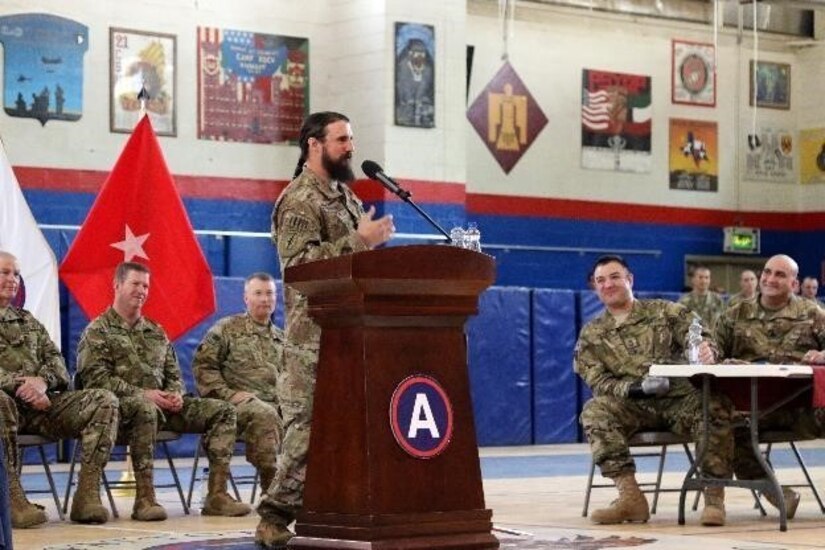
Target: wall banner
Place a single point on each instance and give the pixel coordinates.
(252, 87)
(506, 117)
(812, 155)
(43, 66)
(693, 154)
(616, 121)
(769, 156)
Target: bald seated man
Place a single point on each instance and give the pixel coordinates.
(777, 327)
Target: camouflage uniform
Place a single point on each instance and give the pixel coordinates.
(239, 354)
(709, 307)
(126, 360)
(738, 299)
(611, 358)
(90, 415)
(749, 332)
(312, 220)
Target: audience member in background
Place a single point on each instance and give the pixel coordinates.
(701, 300)
(809, 290)
(747, 288)
(613, 356)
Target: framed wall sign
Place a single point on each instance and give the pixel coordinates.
(773, 85)
(693, 73)
(139, 60)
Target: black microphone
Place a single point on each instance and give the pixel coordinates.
(375, 172)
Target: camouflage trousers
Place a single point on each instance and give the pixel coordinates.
(803, 422)
(259, 425)
(608, 422)
(88, 415)
(296, 388)
(141, 419)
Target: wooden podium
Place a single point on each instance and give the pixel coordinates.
(393, 459)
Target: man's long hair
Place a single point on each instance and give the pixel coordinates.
(315, 126)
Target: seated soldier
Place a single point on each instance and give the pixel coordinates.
(33, 400)
(130, 355)
(776, 327)
(237, 361)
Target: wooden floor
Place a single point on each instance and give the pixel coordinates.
(535, 492)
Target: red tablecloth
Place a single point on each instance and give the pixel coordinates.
(819, 387)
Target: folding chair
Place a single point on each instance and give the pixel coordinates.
(770, 437)
(659, 439)
(164, 437)
(38, 441)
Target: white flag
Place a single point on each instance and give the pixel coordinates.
(19, 235)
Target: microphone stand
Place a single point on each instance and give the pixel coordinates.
(406, 197)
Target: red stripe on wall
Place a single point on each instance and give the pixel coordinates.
(639, 213)
(245, 189)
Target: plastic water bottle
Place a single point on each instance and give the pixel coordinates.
(473, 237)
(457, 236)
(694, 341)
(204, 485)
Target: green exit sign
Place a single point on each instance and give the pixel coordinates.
(742, 240)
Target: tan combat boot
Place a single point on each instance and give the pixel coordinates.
(714, 513)
(86, 505)
(265, 476)
(791, 500)
(146, 506)
(24, 514)
(272, 533)
(218, 502)
(630, 506)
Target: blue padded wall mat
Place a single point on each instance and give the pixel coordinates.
(555, 392)
(499, 365)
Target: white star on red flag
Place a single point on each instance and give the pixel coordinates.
(132, 245)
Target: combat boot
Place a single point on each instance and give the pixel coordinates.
(791, 500)
(146, 506)
(630, 506)
(218, 502)
(24, 514)
(265, 476)
(86, 505)
(272, 533)
(714, 513)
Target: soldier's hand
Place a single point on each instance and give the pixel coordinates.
(31, 389)
(159, 398)
(649, 386)
(176, 401)
(814, 357)
(706, 354)
(41, 403)
(241, 397)
(375, 232)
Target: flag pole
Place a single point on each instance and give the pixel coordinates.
(126, 483)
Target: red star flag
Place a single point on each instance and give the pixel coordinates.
(19, 235)
(138, 216)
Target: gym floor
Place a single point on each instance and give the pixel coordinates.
(536, 494)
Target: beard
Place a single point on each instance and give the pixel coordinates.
(339, 170)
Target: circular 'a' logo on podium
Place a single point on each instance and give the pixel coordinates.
(421, 416)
